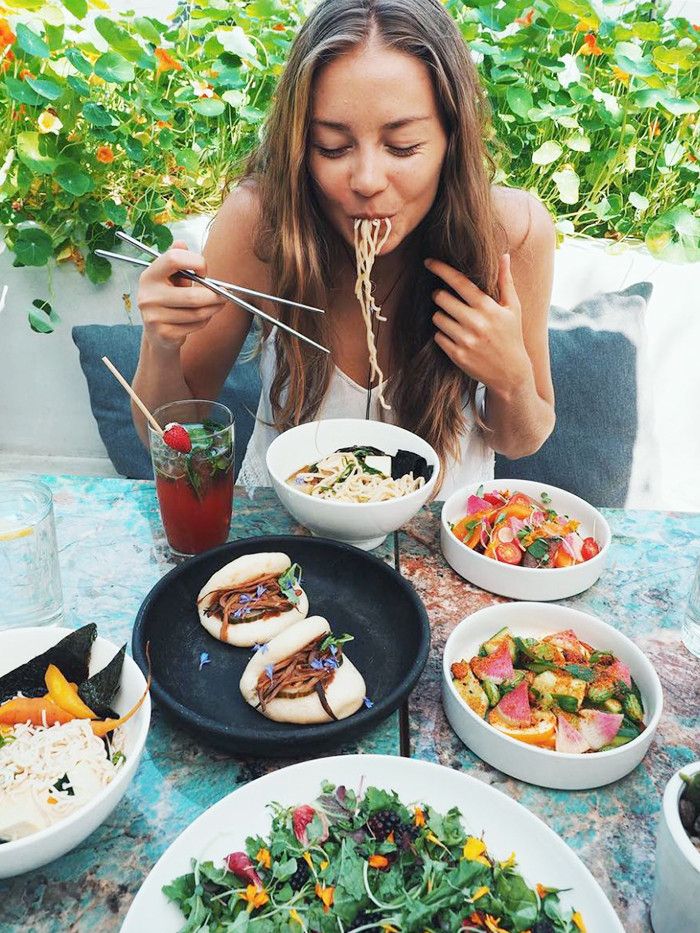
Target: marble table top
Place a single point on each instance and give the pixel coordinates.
(112, 551)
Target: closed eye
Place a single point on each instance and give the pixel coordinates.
(400, 151)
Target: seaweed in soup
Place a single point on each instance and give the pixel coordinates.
(71, 655)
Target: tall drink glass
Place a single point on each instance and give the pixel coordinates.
(195, 489)
(30, 581)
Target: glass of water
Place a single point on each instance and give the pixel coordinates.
(30, 582)
(691, 620)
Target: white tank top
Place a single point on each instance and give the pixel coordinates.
(346, 399)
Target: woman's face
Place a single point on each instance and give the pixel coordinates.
(377, 142)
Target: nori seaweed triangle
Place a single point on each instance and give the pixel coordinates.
(98, 692)
(71, 655)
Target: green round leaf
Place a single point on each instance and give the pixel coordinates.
(22, 93)
(638, 201)
(235, 98)
(134, 149)
(98, 115)
(97, 269)
(72, 179)
(671, 61)
(235, 41)
(33, 246)
(30, 43)
(579, 143)
(117, 213)
(118, 38)
(47, 88)
(520, 101)
(36, 153)
(547, 153)
(78, 61)
(209, 107)
(42, 317)
(675, 236)
(114, 68)
(567, 182)
(673, 152)
(82, 88)
(188, 159)
(147, 28)
(78, 8)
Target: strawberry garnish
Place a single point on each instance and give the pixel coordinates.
(176, 436)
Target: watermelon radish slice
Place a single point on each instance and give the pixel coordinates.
(496, 667)
(619, 671)
(569, 739)
(514, 707)
(476, 504)
(599, 728)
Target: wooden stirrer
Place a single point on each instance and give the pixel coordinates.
(118, 376)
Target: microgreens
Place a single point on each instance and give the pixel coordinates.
(332, 641)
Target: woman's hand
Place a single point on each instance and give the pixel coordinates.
(173, 307)
(482, 337)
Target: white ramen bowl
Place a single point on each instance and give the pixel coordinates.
(548, 768)
(525, 582)
(363, 524)
(18, 646)
(677, 878)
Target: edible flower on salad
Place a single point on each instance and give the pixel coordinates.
(516, 529)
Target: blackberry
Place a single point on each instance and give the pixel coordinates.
(382, 823)
(405, 835)
(300, 876)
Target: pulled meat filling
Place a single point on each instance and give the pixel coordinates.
(251, 601)
(309, 670)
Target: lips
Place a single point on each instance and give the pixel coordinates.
(373, 216)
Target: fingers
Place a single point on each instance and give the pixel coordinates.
(464, 286)
(449, 347)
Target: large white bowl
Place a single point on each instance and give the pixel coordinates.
(18, 646)
(364, 524)
(677, 880)
(507, 827)
(548, 768)
(525, 582)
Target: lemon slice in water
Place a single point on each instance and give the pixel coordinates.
(17, 533)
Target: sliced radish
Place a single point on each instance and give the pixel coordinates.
(619, 670)
(495, 667)
(514, 707)
(569, 739)
(505, 535)
(476, 504)
(599, 728)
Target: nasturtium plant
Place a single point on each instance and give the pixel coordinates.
(137, 122)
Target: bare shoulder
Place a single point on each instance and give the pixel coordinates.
(230, 247)
(524, 218)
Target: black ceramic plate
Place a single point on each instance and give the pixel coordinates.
(356, 592)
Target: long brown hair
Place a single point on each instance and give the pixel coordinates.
(426, 389)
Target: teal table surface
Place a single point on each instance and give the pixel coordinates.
(112, 551)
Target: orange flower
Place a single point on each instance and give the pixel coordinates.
(280, 27)
(476, 919)
(104, 154)
(264, 858)
(326, 896)
(654, 129)
(620, 75)
(419, 817)
(163, 123)
(492, 924)
(378, 861)
(7, 36)
(256, 897)
(587, 24)
(166, 62)
(590, 45)
(25, 73)
(526, 20)
(541, 891)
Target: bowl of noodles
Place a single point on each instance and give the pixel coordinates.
(352, 480)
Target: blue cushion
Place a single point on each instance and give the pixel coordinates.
(595, 374)
(110, 403)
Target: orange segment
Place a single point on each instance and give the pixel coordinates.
(541, 733)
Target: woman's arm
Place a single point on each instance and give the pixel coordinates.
(504, 344)
(191, 336)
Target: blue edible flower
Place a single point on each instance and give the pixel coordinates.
(368, 703)
(269, 670)
(317, 664)
(334, 650)
(244, 598)
(204, 659)
(331, 664)
(261, 648)
(260, 590)
(239, 613)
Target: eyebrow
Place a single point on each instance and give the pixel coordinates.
(394, 125)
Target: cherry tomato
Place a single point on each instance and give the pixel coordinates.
(509, 553)
(519, 498)
(494, 499)
(589, 548)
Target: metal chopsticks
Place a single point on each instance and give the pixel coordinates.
(220, 288)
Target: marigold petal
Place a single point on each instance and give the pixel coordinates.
(473, 848)
(577, 919)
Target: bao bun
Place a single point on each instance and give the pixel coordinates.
(249, 567)
(345, 693)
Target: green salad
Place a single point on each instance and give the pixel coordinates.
(366, 862)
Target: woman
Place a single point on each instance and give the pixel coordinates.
(379, 113)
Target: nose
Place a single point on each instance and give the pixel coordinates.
(367, 173)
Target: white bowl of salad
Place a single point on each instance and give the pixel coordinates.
(550, 695)
(352, 480)
(48, 676)
(524, 540)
